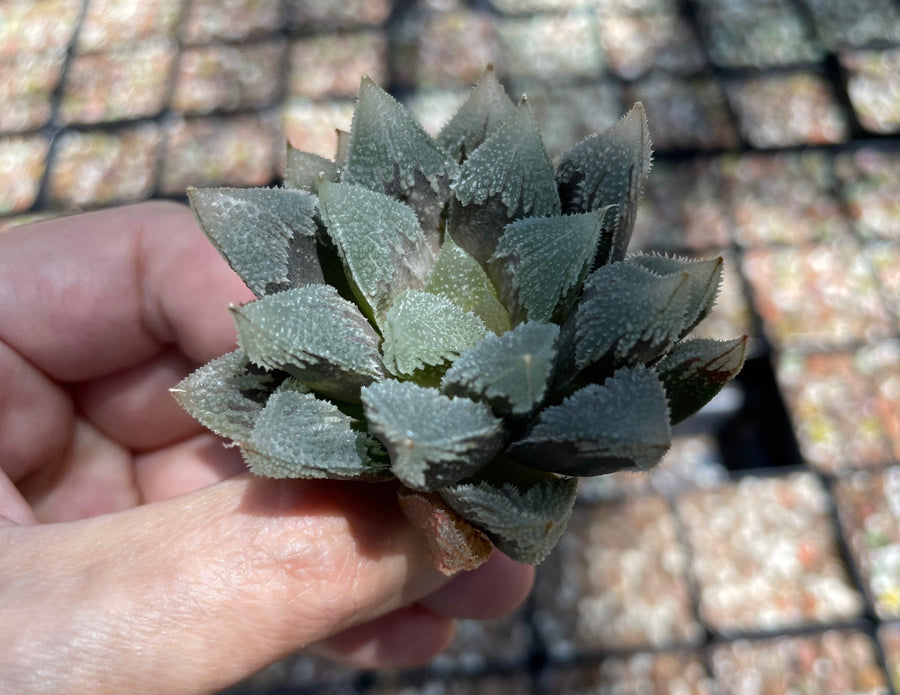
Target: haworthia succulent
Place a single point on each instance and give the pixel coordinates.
(525, 522)
(267, 235)
(609, 169)
(508, 176)
(543, 261)
(629, 314)
(457, 315)
(433, 440)
(622, 424)
(388, 148)
(298, 435)
(423, 329)
(380, 241)
(510, 372)
(333, 349)
(696, 370)
(226, 394)
(461, 279)
(705, 277)
(480, 115)
(512, 165)
(304, 170)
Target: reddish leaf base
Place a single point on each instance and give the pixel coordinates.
(454, 544)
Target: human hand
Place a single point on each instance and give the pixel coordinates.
(136, 554)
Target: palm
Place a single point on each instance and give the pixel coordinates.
(97, 324)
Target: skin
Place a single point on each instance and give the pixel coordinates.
(137, 556)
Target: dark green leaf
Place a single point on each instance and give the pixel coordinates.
(629, 315)
(705, 279)
(481, 114)
(388, 148)
(523, 521)
(510, 372)
(513, 165)
(427, 329)
(696, 370)
(621, 425)
(508, 176)
(314, 334)
(477, 228)
(609, 169)
(433, 440)
(303, 170)
(267, 235)
(380, 241)
(542, 262)
(300, 436)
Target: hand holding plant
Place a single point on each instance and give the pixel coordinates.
(135, 558)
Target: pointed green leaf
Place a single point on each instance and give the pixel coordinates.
(226, 395)
(696, 370)
(523, 521)
(461, 279)
(543, 261)
(512, 164)
(480, 115)
(705, 280)
(267, 235)
(303, 170)
(629, 315)
(565, 370)
(477, 228)
(433, 440)
(510, 372)
(380, 241)
(609, 169)
(621, 425)
(506, 177)
(300, 436)
(427, 329)
(388, 148)
(314, 334)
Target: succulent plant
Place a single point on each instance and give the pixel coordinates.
(459, 315)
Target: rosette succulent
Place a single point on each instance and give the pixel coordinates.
(458, 315)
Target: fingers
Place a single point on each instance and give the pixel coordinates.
(190, 465)
(134, 406)
(496, 588)
(99, 300)
(93, 294)
(94, 477)
(414, 635)
(13, 507)
(197, 592)
(187, 288)
(36, 416)
(405, 638)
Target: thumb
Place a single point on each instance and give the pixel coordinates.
(193, 593)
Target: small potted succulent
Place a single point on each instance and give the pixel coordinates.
(457, 315)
